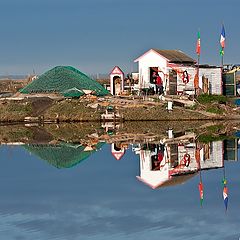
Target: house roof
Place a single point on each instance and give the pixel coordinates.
(172, 56)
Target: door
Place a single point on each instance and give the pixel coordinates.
(172, 82)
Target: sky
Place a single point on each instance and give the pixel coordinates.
(96, 35)
(100, 198)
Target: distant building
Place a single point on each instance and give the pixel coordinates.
(178, 72)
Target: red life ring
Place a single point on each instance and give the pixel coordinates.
(186, 160)
(185, 77)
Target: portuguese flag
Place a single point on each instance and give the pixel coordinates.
(198, 45)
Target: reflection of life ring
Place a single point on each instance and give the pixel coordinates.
(186, 160)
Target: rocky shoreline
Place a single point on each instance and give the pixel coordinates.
(46, 110)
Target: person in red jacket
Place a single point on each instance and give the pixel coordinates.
(159, 85)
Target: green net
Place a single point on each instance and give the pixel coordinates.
(61, 155)
(73, 93)
(61, 79)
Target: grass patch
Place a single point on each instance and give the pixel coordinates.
(215, 128)
(14, 111)
(206, 138)
(205, 99)
(213, 109)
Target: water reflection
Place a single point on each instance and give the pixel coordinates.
(171, 160)
(99, 197)
(63, 155)
(166, 163)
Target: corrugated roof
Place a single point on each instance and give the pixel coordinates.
(175, 56)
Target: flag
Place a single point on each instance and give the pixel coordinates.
(198, 45)
(225, 196)
(222, 41)
(200, 188)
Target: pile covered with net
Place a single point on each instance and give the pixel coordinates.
(65, 80)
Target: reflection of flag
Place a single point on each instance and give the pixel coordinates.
(200, 188)
(198, 46)
(222, 41)
(225, 196)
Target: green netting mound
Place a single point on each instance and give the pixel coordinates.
(62, 155)
(73, 93)
(62, 79)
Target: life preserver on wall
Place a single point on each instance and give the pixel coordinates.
(186, 160)
(185, 77)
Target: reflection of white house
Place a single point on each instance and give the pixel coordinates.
(177, 71)
(179, 159)
(151, 177)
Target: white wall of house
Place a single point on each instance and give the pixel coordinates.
(181, 86)
(149, 176)
(150, 59)
(216, 155)
(214, 76)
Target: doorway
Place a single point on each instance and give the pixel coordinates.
(172, 82)
(116, 85)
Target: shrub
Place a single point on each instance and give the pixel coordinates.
(213, 109)
(205, 98)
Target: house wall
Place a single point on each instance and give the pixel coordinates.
(149, 176)
(150, 59)
(216, 155)
(181, 86)
(214, 76)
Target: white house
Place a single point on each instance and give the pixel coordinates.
(178, 72)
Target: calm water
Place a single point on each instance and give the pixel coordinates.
(96, 196)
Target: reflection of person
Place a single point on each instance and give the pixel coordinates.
(155, 163)
(157, 158)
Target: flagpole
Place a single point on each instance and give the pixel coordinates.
(198, 65)
(222, 58)
(198, 50)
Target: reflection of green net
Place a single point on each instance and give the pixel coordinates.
(61, 155)
(61, 79)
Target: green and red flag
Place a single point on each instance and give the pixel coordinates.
(198, 45)
(200, 188)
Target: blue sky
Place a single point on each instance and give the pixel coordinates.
(96, 35)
